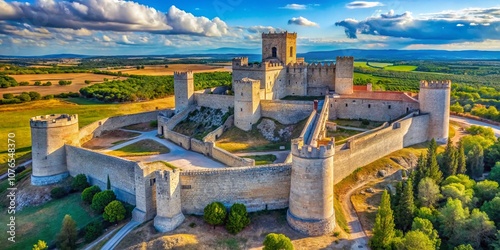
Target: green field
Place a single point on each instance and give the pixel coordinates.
(141, 148)
(16, 117)
(401, 67)
(262, 159)
(44, 222)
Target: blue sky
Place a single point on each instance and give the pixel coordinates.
(142, 27)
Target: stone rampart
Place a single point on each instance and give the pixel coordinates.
(214, 135)
(373, 110)
(214, 101)
(259, 188)
(286, 112)
(98, 167)
(363, 150)
(229, 159)
(179, 139)
(201, 147)
(174, 120)
(96, 128)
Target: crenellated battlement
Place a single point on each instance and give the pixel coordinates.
(285, 34)
(345, 58)
(308, 151)
(272, 65)
(183, 75)
(53, 120)
(446, 84)
(328, 65)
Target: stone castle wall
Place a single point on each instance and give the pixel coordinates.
(214, 101)
(257, 187)
(179, 139)
(320, 76)
(286, 112)
(96, 128)
(201, 147)
(296, 80)
(229, 159)
(99, 166)
(373, 110)
(376, 144)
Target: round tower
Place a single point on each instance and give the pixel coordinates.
(246, 103)
(183, 90)
(434, 98)
(168, 201)
(310, 209)
(49, 133)
(344, 73)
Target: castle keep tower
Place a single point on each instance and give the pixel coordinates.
(246, 103)
(49, 133)
(310, 208)
(280, 46)
(183, 90)
(434, 98)
(344, 68)
(168, 201)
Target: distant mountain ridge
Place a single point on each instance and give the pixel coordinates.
(358, 54)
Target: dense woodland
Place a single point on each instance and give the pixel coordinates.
(445, 202)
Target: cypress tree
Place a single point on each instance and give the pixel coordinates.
(406, 206)
(450, 162)
(383, 230)
(419, 172)
(108, 184)
(66, 239)
(461, 160)
(475, 160)
(432, 167)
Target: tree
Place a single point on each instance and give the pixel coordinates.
(428, 192)
(80, 182)
(451, 218)
(40, 245)
(458, 191)
(238, 218)
(414, 240)
(450, 160)
(426, 227)
(475, 164)
(215, 214)
(495, 173)
(88, 193)
(492, 155)
(101, 200)
(108, 184)
(58, 193)
(457, 108)
(427, 213)
(114, 211)
(485, 190)
(66, 239)
(275, 241)
(383, 230)
(8, 96)
(479, 230)
(492, 208)
(92, 231)
(461, 159)
(34, 95)
(464, 247)
(419, 171)
(432, 167)
(406, 207)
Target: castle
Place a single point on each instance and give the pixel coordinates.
(303, 183)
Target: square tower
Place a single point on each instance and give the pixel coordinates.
(246, 103)
(279, 46)
(183, 90)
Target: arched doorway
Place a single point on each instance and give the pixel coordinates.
(275, 52)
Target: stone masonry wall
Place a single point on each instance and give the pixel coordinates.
(229, 159)
(179, 139)
(99, 166)
(373, 110)
(96, 128)
(214, 101)
(286, 112)
(257, 187)
(366, 149)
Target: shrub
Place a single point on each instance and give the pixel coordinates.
(35, 95)
(66, 239)
(365, 122)
(153, 124)
(8, 96)
(277, 242)
(238, 218)
(101, 200)
(114, 211)
(24, 97)
(47, 84)
(87, 81)
(48, 97)
(24, 83)
(40, 245)
(80, 183)
(88, 193)
(19, 169)
(215, 213)
(58, 193)
(93, 230)
(64, 82)
(38, 83)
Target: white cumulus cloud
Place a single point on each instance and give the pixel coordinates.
(363, 5)
(302, 21)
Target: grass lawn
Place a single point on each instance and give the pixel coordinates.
(237, 140)
(342, 134)
(44, 222)
(16, 117)
(141, 148)
(379, 65)
(262, 159)
(357, 123)
(401, 67)
(361, 64)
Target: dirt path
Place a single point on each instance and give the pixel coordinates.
(357, 233)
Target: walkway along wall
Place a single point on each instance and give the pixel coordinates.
(286, 112)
